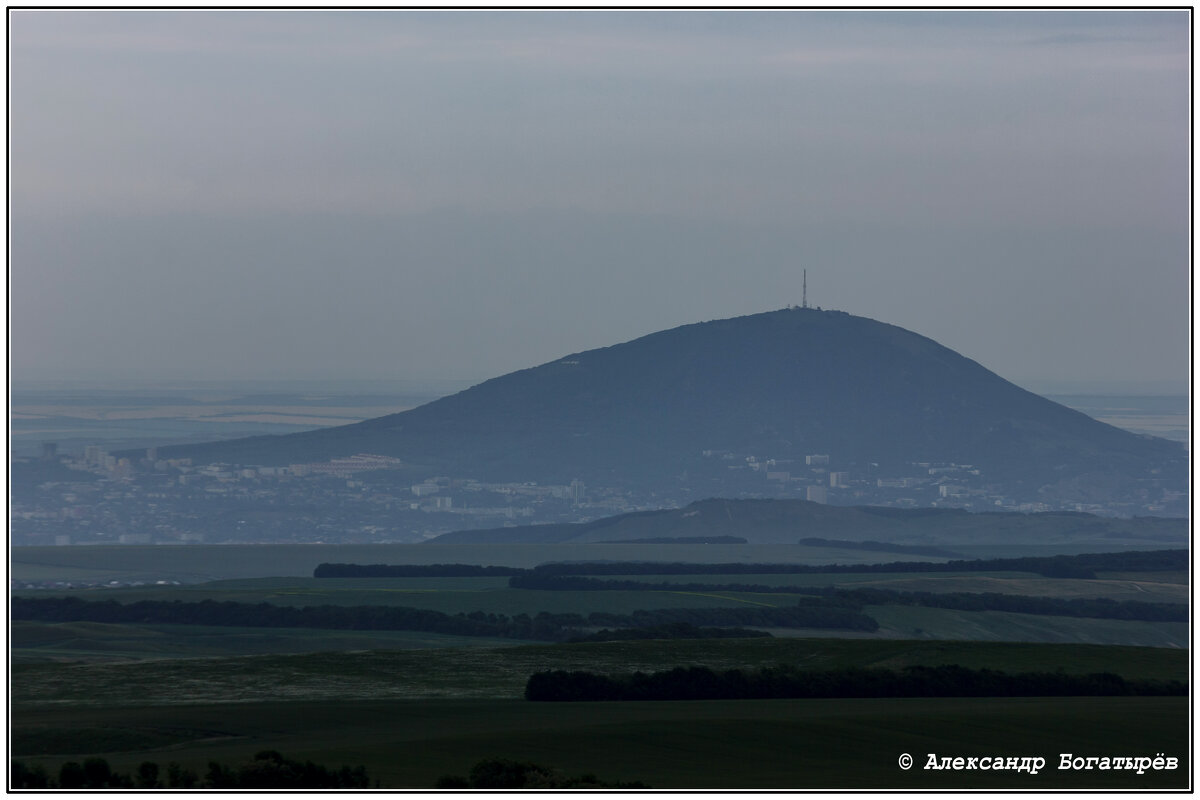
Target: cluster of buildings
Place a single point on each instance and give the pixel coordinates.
(95, 497)
(823, 478)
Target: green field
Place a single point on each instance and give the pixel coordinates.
(501, 673)
(499, 601)
(491, 594)
(453, 595)
(1004, 626)
(413, 706)
(97, 641)
(1147, 587)
(1180, 577)
(198, 563)
(779, 744)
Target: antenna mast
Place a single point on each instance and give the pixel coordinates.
(804, 296)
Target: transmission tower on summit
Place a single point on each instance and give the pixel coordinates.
(804, 291)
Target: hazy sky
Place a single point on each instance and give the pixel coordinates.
(397, 194)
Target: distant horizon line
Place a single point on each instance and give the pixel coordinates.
(1043, 386)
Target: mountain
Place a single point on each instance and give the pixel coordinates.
(684, 405)
(793, 521)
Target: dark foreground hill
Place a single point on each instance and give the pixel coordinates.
(778, 385)
(791, 521)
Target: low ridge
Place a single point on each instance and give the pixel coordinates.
(794, 521)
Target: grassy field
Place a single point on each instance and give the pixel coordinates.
(95, 641)
(197, 563)
(491, 594)
(1145, 587)
(501, 673)
(37, 642)
(413, 706)
(452, 595)
(1174, 576)
(499, 601)
(1003, 626)
(780, 744)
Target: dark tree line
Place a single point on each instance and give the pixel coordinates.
(1078, 566)
(267, 770)
(879, 547)
(541, 627)
(702, 683)
(266, 615)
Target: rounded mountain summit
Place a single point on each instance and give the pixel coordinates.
(690, 405)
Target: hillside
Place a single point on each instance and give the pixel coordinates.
(778, 385)
(789, 521)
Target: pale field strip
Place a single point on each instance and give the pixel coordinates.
(947, 624)
(1145, 420)
(313, 421)
(223, 413)
(1144, 591)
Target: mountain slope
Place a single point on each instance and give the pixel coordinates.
(778, 385)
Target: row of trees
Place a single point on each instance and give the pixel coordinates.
(266, 615)
(541, 627)
(879, 547)
(1079, 566)
(785, 681)
(267, 770)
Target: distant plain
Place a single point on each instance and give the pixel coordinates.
(76, 415)
(412, 706)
